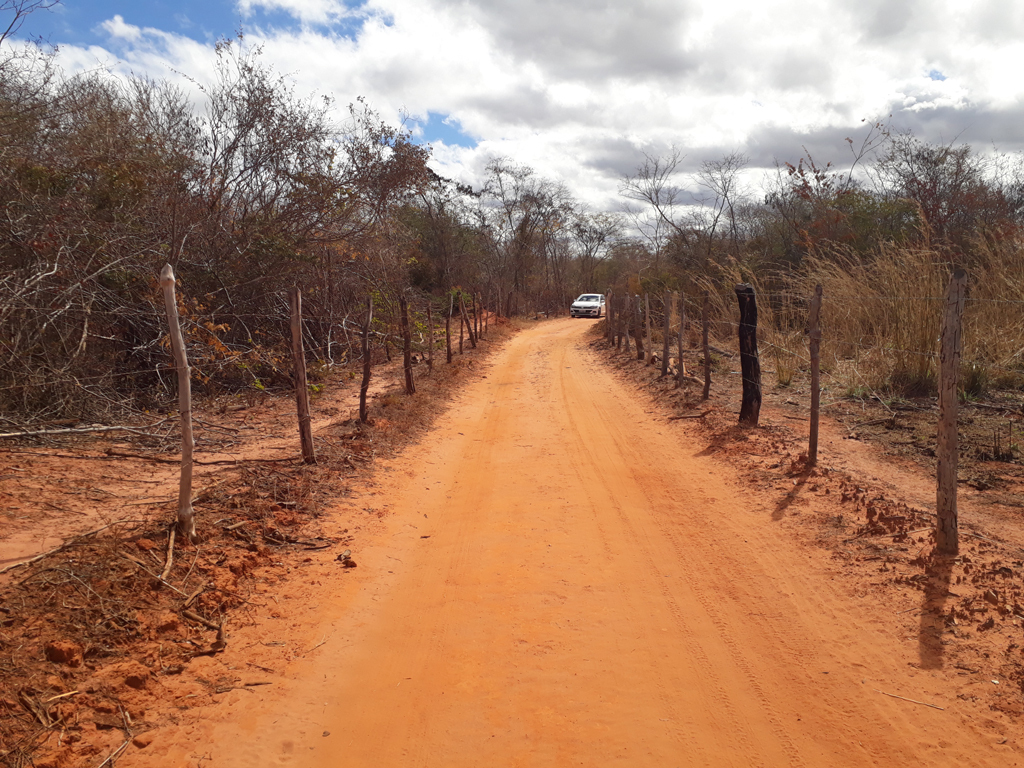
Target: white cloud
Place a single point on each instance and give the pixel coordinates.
(577, 87)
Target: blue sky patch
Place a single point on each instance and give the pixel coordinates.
(77, 22)
(440, 127)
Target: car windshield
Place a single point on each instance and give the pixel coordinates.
(588, 297)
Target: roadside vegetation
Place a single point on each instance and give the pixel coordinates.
(248, 188)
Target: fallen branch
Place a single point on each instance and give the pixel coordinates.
(691, 416)
(193, 616)
(84, 430)
(912, 701)
(131, 559)
(170, 554)
(161, 460)
(116, 753)
(65, 545)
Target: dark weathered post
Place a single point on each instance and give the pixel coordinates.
(448, 325)
(186, 515)
(410, 385)
(301, 386)
(750, 365)
(430, 334)
(680, 365)
(947, 534)
(705, 322)
(666, 332)
(364, 387)
(814, 334)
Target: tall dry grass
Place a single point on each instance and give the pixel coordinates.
(881, 316)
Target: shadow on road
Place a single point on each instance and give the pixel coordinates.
(785, 502)
(939, 573)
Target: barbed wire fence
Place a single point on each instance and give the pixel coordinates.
(949, 371)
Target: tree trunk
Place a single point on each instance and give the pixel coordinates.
(364, 388)
(186, 515)
(301, 385)
(814, 334)
(410, 385)
(947, 534)
(750, 364)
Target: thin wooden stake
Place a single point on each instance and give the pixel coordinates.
(448, 325)
(814, 333)
(666, 332)
(410, 385)
(364, 387)
(638, 327)
(301, 385)
(430, 332)
(705, 314)
(186, 515)
(626, 317)
(649, 343)
(609, 316)
(947, 533)
(680, 365)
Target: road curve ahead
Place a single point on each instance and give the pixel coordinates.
(562, 581)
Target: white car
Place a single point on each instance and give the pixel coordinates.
(588, 305)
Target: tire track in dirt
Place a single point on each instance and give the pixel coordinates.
(591, 593)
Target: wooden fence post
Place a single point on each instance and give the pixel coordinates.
(814, 333)
(186, 515)
(680, 365)
(638, 321)
(750, 365)
(476, 317)
(301, 385)
(410, 385)
(619, 317)
(466, 324)
(705, 314)
(364, 387)
(666, 332)
(947, 534)
(430, 333)
(448, 325)
(609, 315)
(626, 323)
(649, 340)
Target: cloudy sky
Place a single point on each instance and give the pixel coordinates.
(579, 90)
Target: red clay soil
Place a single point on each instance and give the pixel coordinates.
(559, 575)
(562, 574)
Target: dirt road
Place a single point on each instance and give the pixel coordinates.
(561, 580)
